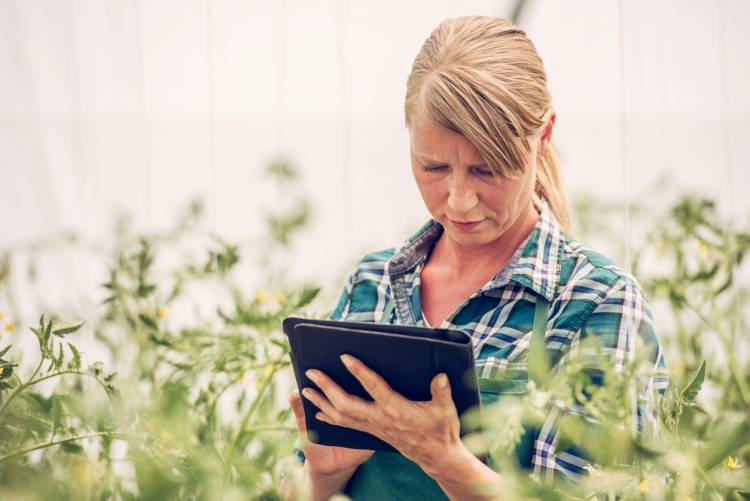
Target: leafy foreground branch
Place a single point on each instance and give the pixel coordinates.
(198, 407)
(197, 412)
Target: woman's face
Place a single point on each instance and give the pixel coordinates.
(475, 207)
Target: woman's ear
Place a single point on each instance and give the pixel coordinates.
(546, 136)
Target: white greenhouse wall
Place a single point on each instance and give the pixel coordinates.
(138, 106)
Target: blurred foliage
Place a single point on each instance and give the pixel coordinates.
(197, 407)
(695, 442)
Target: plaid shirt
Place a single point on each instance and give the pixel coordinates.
(589, 296)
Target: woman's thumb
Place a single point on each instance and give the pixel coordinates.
(440, 388)
(295, 401)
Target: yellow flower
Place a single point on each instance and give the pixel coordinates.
(86, 473)
(280, 297)
(10, 327)
(2, 314)
(644, 486)
(260, 296)
(702, 247)
(731, 463)
(163, 312)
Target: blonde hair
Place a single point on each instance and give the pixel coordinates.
(482, 78)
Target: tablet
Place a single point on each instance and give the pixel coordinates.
(407, 357)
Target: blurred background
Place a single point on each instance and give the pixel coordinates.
(137, 107)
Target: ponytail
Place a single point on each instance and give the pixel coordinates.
(549, 187)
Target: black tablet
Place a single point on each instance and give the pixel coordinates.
(407, 357)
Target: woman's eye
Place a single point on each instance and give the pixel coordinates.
(484, 172)
(433, 168)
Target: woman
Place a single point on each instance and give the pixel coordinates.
(494, 256)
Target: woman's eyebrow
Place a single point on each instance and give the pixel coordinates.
(428, 161)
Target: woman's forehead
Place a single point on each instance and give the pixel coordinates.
(430, 141)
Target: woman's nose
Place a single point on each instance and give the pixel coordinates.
(462, 197)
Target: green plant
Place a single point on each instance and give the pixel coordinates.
(199, 411)
(690, 266)
(34, 420)
(698, 444)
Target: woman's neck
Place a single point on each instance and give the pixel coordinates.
(466, 260)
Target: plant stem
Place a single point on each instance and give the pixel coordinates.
(250, 412)
(737, 376)
(709, 484)
(61, 373)
(255, 404)
(56, 442)
(32, 382)
(271, 427)
(20, 388)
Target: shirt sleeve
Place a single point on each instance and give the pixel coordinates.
(619, 330)
(341, 310)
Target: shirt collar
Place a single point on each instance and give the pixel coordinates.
(538, 266)
(535, 264)
(416, 249)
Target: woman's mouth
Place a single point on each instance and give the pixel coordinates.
(464, 226)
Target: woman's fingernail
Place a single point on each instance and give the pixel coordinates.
(347, 360)
(307, 393)
(312, 374)
(442, 381)
(321, 417)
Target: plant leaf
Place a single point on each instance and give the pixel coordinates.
(690, 392)
(5, 350)
(148, 321)
(71, 447)
(57, 414)
(726, 441)
(63, 329)
(307, 295)
(76, 362)
(47, 333)
(7, 370)
(60, 358)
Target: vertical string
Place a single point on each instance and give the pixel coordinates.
(624, 141)
(211, 137)
(280, 75)
(632, 336)
(345, 146)
(211, 119)
(76, 149)
(726, 138)
(146, 167)
(145, 179)
(727, 143)
(76, 140)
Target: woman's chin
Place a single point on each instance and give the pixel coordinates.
(471, 239)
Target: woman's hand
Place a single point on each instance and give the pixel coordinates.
(327, 469)
(428, 432)
(425, 432)
(323, 459)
